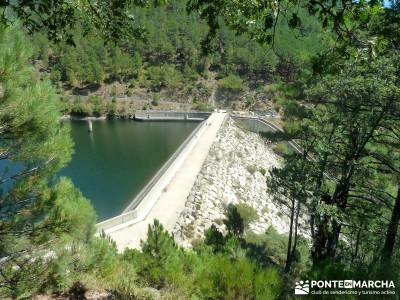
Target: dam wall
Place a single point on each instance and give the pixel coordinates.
(145, 200)
(171, 116)
(170, 200)
(140, 206)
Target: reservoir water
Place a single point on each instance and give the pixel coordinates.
(115, 161)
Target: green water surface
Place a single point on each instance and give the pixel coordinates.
(115, 161)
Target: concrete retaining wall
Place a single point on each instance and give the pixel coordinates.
(117, 220)
(261, 125)
(170, 116)
(258, 125)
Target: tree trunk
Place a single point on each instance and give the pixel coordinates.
(289, 248)
(340, 200)
(357, 246)
(296, 223)
(317, 234)
(312, 224)
(390, 240)
(320, 240)
(333, 238)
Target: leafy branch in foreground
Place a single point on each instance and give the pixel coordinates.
(112, 19)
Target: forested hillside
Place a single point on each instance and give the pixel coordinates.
(170, 60)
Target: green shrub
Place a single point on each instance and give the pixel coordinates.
(80, 108)
(248, 213)
(263, 171)
(233, 222)
(126, 289)
(102, 258)
(76, 211)
(93, 106)
(281, 149)
(164, 76)
(114, 91)
(274, 244)
(268, 284)
(233, 83)
(220, 277)
(214, 238)
(98, 106)
(200, 106)
(251, 169)
(55, 76)
(95, 262)
(156, 99)
(157, 249)
(111, 107)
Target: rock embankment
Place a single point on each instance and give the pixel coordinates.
(235, 171)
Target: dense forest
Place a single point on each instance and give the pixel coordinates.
(170, 61)
(333, 68)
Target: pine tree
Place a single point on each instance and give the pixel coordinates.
(37, 211)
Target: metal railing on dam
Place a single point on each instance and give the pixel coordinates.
(144, 201)
(171, 116)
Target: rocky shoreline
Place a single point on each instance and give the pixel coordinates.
(234, 172)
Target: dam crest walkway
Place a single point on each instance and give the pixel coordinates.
(172, 198)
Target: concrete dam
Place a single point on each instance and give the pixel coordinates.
(164, 197)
